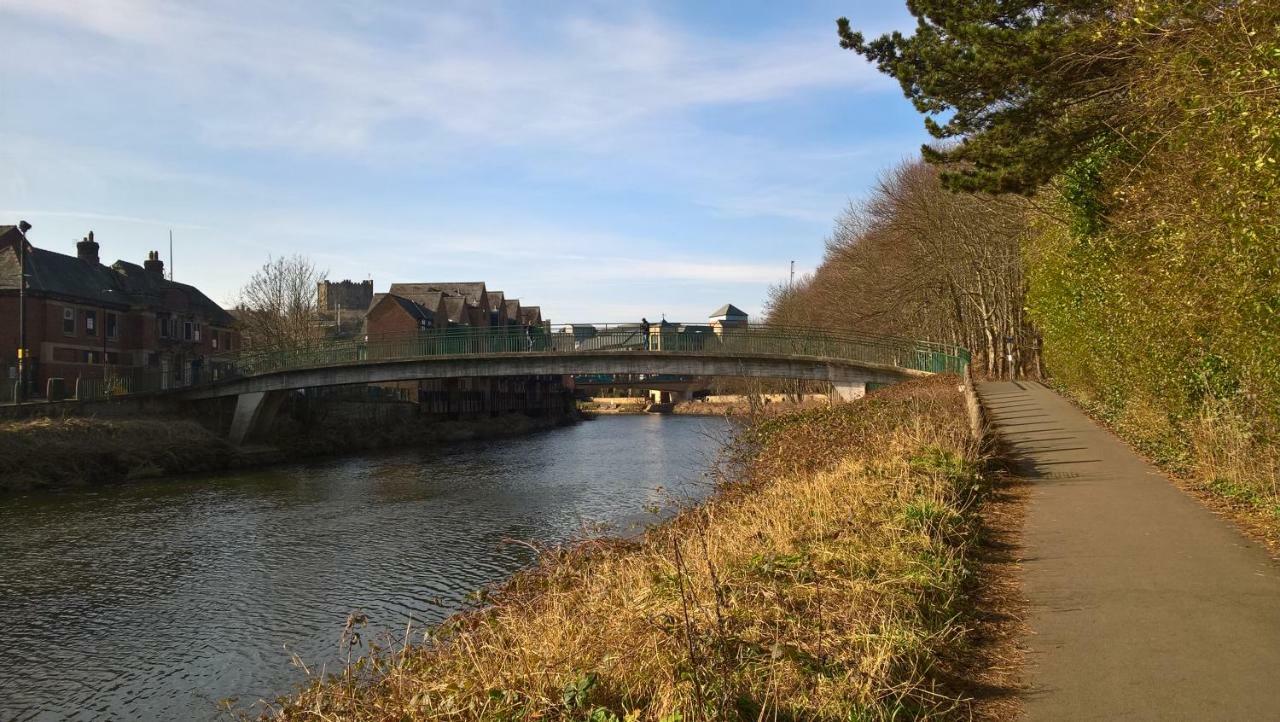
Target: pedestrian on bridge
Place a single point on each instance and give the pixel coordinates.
(644, 332)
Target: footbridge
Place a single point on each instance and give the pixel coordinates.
(847, 361)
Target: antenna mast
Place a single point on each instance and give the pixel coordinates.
(170, 254)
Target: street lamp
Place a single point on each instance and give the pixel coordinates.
(23, 227)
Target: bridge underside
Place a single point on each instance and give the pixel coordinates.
(258, 394)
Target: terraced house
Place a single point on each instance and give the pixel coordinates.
(87, 320)
(408, 308)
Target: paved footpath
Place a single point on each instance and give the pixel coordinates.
(1144, 605)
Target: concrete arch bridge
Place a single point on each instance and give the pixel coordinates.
(847, 361)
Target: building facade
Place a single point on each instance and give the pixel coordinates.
(86, 320)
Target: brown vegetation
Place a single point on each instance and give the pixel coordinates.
(829, 581)
(919, 261)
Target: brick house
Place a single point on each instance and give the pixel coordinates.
(87, 320)
(391, 314)
(471, 294)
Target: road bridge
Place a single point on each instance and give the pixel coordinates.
(847, 361)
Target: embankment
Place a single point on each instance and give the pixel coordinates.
(57, 452)
(831, 577)
(79, 451)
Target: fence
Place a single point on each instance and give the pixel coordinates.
(755, 340)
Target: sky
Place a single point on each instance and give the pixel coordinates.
(604, 160)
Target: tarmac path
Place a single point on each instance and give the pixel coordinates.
(1143, 605)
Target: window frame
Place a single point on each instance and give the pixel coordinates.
(68, 317)
(90, 323)
(111, 324)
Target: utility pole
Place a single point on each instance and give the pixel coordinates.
(792, 282)
(23, 227)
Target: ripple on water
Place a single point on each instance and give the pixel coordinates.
(153, 601)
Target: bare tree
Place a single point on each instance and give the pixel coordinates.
(917, 260)
(277, 307)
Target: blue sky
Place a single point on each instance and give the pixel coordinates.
(604, 160)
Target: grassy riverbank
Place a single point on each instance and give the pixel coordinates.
(831, 580)
(76, 451)
(83, 451)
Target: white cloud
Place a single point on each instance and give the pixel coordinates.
(470, 76)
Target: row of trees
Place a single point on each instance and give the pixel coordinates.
(920, 261)
(1116, 169)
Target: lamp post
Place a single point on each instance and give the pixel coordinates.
(23, 227)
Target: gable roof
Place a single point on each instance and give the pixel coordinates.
(457, 310)
(416, 311)
(121, 285)
(513, 308)
(530, 315)
(729, 311)
(474, 291)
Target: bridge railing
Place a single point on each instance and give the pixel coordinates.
(620, 338)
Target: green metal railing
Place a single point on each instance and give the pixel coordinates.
(596, 338)
(570, 338)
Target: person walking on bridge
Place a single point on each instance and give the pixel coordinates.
(644, 332)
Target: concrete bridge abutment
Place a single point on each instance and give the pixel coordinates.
(848, 390)
(254, 414)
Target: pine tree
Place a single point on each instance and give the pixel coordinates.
(1025, 85)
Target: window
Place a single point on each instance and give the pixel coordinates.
(91, 324)
(69, 321)
(186, 330)
(162, 326)
(213, 337)
(227, 337)
(197, 333)
(112, 325)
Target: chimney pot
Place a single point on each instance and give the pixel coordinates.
(153, 264)
(87, 250)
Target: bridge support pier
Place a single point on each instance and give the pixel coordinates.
(254, 413)
(848, 390)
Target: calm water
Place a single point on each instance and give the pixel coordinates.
(156, 600)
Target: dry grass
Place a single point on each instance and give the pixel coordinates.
(828, 582)
(78, 450)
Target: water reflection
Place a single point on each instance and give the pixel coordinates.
(155, 600)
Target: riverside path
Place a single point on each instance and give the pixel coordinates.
(1143, 605)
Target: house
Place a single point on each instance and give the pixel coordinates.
(512, 311)
(530, 316)
(390, 314)
(498, 308)
(84, 318)
(472, 294)
(728, 316)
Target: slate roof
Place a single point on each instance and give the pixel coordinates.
(472, 290)
(121, 285)
(729, 311)
(513, 309)
(530, 315)
(415, 310)
(457, 310)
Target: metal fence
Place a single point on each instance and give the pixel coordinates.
(568, 338)
(578, 338)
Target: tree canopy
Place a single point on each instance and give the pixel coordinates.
(1025, 84)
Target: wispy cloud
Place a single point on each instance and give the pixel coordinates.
(470, 75)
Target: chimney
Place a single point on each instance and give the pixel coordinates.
(87, 250)
(153, 264)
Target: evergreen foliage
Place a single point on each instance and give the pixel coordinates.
(1027, 84)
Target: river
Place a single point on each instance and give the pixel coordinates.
(155, 600)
